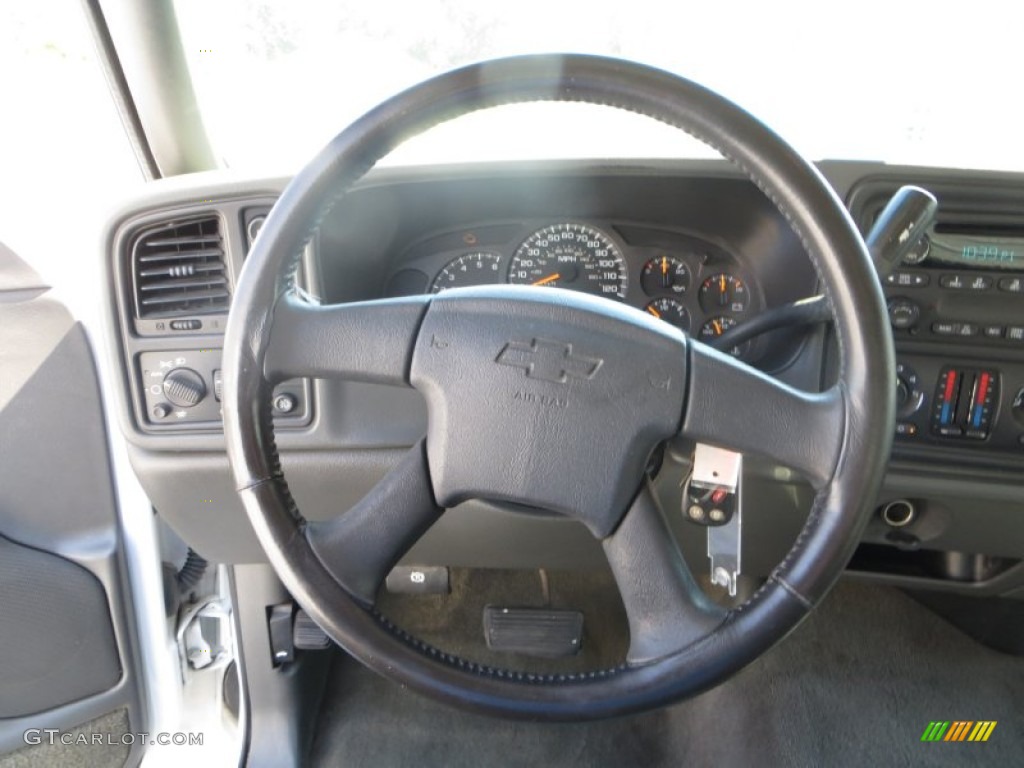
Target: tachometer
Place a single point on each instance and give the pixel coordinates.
(480, 268)
(574, 256)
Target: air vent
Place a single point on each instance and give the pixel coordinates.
(179, 269)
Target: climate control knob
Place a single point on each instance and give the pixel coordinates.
(909, 396)
(184, 387)
(902, 393)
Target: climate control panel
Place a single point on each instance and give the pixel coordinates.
(183, 389)
(964, 402)
(975, 405)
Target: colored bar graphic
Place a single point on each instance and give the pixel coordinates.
(982, 730)
(947, 397)
(935, 730)
(958, 730)
(983, 385)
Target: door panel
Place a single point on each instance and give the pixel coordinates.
(67, 637)
(58, 643)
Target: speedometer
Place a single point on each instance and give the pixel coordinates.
(574, 256)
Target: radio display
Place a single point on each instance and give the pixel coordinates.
(977, 251)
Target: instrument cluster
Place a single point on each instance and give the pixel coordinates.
(680, 279)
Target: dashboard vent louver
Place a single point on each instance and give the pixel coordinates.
(179, 269)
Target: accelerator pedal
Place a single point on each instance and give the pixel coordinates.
(542, 632)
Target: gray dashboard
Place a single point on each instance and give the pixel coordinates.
(400, 228)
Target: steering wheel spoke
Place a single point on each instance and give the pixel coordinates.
(360, 547)
(740, 408)
(368, 341)
(666, 608)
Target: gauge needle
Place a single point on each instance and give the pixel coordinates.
(548, 279)
(654, 312)
(718, 327)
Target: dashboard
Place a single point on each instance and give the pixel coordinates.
(692, 243)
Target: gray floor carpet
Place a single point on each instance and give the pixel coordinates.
(454, 621)
(80, 752)
(855, 685)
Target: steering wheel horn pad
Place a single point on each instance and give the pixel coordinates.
(518, 380)
(555, 400)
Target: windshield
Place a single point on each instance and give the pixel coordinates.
(910, 82)
(64, 157)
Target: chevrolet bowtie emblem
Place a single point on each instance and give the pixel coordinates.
(548, 360)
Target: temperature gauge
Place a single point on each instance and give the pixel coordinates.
(665, 274)
(671, 311)
(724, 293)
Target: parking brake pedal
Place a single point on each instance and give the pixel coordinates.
(533, 631)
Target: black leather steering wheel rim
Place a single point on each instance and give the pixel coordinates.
(861, 404)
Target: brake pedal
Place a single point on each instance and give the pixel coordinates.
(533, 631)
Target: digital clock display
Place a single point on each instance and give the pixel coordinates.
(981, 252)
(988, 254)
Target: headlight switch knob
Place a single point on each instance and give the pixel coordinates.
(184, 387)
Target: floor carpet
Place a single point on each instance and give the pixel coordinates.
(855, 685)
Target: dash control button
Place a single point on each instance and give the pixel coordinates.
(980, 283)
(285, 403)
(954, 329)
(906, 279)
(216, 385)
(993, 331)
(903, 313)
(954, 282)
(1012, 285)
(1015, 333)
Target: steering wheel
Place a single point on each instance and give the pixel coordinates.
(526, 387)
